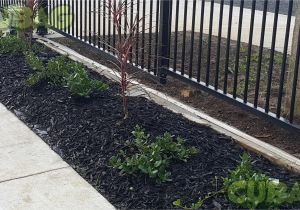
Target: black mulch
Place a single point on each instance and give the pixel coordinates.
(86, 133)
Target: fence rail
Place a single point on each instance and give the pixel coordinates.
(245, 52)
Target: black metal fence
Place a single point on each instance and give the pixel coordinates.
(241, 51)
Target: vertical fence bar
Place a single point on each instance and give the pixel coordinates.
(238, 48)
(270, 73)
(90, 20)
(94, 23)
(284, 58)
(131, 25)
(219, 46)
(209, 42)
(192, 39)
(114, 27)
(249, 51)
(56, 14)
(73, 17)
(53, 23)
(164, 39)
(184, 37)
(61, 20)
(103, 23)
(176, 36)
(109, 25)
(120, 19)
(200, 42)
(50, 11)
(150, 36)
(228, 47)
(63, 16)
(143, 35)
(156, 37)
(99, 23)
(138, 34)
(295, 81)
(125, 18)
(76, 18)
(261, 49)
(85, 20)
(81, 19)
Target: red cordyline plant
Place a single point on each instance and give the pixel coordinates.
(124, 45)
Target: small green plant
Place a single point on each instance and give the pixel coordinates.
(55, 72)
(244, 171)
(12, 45)
(60, 71)
(34, 62)
(153, 158)
(79, 83)
(251, 189)
(34, 79)
(199, 203)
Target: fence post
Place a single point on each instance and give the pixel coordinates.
(291, 79)
(42, 17)
(164, 39)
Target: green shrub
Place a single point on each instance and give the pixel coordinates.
(34, 79)
(154, 158)
(55, 72)
(34, 62)
(79, 83)
(12, 45)
(58, 69)
(244, 171)
(248, 188)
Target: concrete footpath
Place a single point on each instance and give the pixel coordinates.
(257, 27)
(32, 176)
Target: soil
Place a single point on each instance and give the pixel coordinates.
(87, 133)
(213, 106)
(181, 62)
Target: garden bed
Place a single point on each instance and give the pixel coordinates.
(213, 106)
(86, 133)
